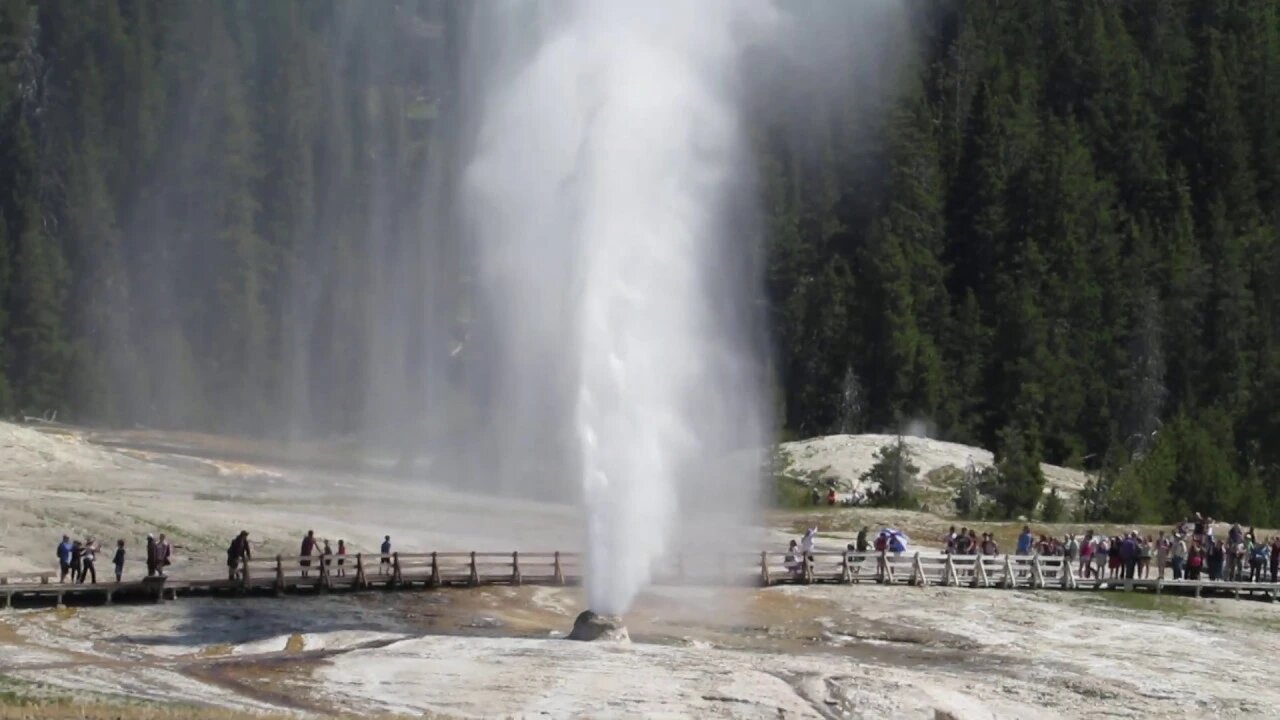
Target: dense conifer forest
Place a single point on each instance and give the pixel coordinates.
(1050, 230)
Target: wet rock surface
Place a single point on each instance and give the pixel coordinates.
(593, 627)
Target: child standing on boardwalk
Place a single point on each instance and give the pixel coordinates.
(118, 560)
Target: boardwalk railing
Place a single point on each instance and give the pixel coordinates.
(917, 568)
(403, 570)
(282, 574)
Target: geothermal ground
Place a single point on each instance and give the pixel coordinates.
(820, 652)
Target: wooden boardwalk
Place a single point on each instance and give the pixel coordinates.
(287, 575)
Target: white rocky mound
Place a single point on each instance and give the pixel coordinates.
(844, 459)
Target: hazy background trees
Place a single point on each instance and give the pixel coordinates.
(1050, 230)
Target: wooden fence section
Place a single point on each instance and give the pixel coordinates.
(280, 575)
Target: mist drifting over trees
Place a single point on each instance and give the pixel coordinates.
(1048, 228)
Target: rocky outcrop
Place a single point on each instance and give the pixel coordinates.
(592, 627)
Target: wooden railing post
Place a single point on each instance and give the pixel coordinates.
(324, 571)
(435, 570)
(1009, 579)
(515, 567)
(808, 569)
(883, 573)
(244, 574)
(764, 568)
(279, 575)
(474, 578)
(917, 572)
(360, 581)
(846, 575)
(395, 568)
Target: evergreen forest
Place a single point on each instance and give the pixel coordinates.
(1049, 229)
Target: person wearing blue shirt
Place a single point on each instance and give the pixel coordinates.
(1025, 540)
(64, 557)
(385, 565)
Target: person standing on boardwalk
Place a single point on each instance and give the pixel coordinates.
(342, 553)
(153, 552)
(77, 556)
(861, 541)
(386, 555)
(64, 558)
(87, 557)
(118, 560)
(308, 546)
(327, 554)
(237, 553)
(1178, 556)
(1162, 555)
(1275, 557)
(1024, 541)
(164, 553)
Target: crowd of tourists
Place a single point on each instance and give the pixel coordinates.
(77, 559)
(1189, 551)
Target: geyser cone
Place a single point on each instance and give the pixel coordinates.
(591, 626)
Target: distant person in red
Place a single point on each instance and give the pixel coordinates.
(831, 496)
(308, 546)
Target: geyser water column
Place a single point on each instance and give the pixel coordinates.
(608, 159)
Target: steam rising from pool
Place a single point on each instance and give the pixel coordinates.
(607, 193)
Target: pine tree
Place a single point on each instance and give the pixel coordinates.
(892, 477)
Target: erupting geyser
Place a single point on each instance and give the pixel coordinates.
(605, 191)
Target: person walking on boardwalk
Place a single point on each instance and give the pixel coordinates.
(118, 560)
(385, 564)
(153, 552)
(87, 557)
(238, 552)
(64, 558)
(342, 553)
(308, 547)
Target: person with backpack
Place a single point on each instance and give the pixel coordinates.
(237, 553)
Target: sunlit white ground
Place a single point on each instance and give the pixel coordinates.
(834, 651)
